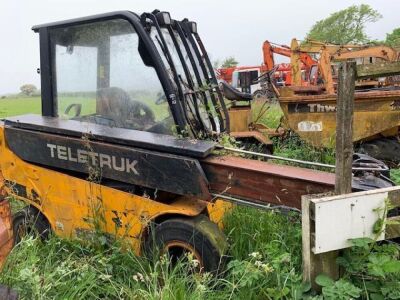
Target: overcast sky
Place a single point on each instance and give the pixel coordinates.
(228, 28)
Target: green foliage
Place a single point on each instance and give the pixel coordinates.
(28, 89)
(374, 268)
(340, 289)
(393, 38)
(395, 175)
(292, 146)
(269, 115)
(229, 62)
(63, 269)
(266, 255)
(345, 26)
(265, 263)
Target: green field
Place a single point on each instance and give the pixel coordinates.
(19, 106)
(26, 105)
(264, 258)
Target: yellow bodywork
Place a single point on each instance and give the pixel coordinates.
(242, 126)
(75, 207)
(314, 117)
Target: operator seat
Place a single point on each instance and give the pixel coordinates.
(112, 103)
(116, 105)
(233, 94)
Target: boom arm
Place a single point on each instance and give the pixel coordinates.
(383, 52)
(296, 59)
(331, 52)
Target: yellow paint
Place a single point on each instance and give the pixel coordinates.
(378, 115)
(295, 63)
(217, 210)
(74, 206)
(239, 118)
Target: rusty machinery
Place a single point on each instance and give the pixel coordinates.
(126, 100)
(309, 106)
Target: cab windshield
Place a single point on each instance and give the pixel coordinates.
(100, 77)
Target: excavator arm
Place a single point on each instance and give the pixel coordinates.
(298, 59)
(384, 52)
(331, 52)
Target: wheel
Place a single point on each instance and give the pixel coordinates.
(29, 221)
(198, 236)
(258, 94)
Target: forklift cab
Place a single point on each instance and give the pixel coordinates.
(147, 73)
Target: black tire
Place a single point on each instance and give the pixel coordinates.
(199, 236)
(30, 221)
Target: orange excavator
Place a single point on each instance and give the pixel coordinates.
(300, 61)
(330, 53)
(312, 62)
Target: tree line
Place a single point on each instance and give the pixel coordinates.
(346, 26)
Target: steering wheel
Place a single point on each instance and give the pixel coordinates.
(161, 99)
(140, 113)
(76, 106)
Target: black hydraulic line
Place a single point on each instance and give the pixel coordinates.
(182, 35)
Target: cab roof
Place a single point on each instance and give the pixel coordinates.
(123, 14)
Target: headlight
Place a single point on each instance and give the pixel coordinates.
(164, 18)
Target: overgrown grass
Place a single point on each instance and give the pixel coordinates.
(269, 114)
(264, 261)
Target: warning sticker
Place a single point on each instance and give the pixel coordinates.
(309, 126)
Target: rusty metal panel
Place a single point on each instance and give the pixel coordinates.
(313, 117)
(240, 118)
(263, 182)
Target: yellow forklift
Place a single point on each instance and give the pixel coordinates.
(131, 112)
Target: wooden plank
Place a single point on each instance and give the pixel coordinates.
(314, 264)
(344, 154)
(344, 127)
(308, 257)
(378, 70)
